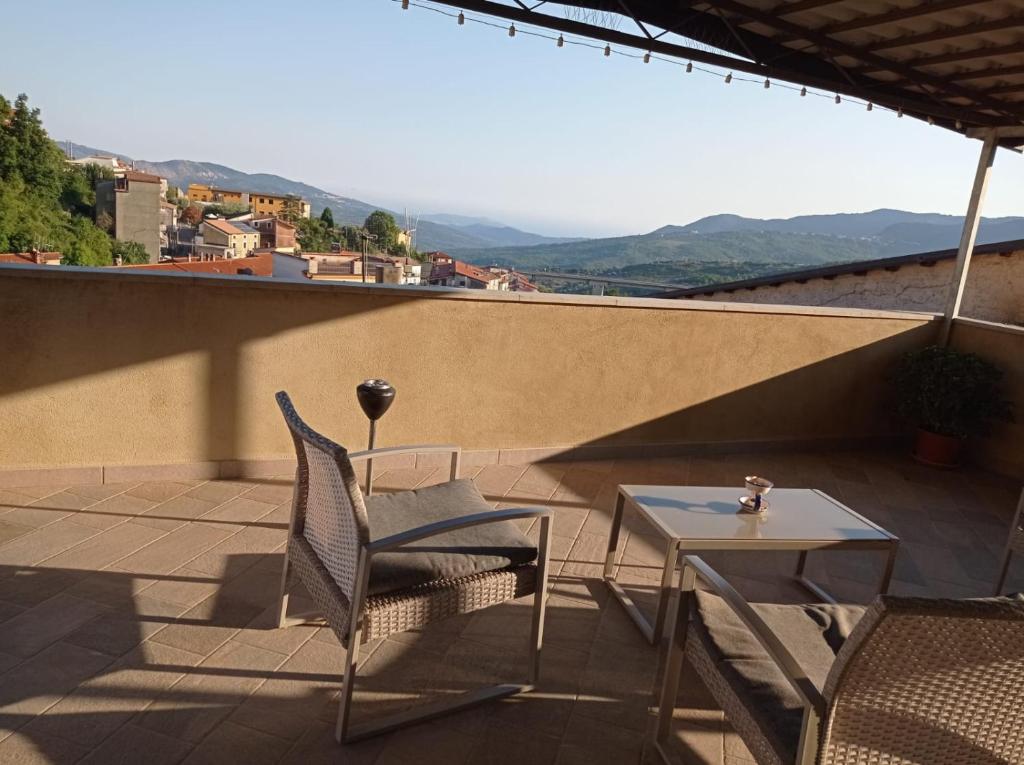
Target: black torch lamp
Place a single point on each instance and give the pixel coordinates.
(375, 397)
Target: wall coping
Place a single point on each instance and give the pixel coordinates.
(991, 326)
(451, 293)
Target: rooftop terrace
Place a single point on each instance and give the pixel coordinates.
(137, 584)
(136, 618)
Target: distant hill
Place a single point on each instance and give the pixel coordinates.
(805, 240)
(432, 233)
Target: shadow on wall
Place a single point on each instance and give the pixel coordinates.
(195, 381)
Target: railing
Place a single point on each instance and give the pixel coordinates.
(112, 369)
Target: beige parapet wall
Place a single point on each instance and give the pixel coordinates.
(1002, 344)
(116, 373)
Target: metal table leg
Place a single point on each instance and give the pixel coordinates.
(651, 632)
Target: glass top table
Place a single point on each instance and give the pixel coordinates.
(699, 518)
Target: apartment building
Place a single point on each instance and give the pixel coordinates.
(132, 202)
(260, 203)
(238, 239)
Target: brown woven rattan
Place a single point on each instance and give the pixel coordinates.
(918, 682)
(329, 550)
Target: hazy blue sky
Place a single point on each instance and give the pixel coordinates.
(406, 108)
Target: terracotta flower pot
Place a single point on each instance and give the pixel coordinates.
(937, 450)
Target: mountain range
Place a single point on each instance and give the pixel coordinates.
(773, 244)
(805, 240)
(436, 232)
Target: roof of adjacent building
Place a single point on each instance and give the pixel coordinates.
(139, 177)
(857, 268)
(232, 228)
(260, 265)
(28, 257)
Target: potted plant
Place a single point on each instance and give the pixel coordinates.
(949, 396)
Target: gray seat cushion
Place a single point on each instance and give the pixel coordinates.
(812, 633)
(486, 547)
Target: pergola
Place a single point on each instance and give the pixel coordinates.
(954, 63)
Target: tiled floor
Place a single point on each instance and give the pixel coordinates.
(135, 619)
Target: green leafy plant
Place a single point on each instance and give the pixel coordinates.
(950, 393)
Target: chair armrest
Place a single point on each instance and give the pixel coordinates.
(433, 529)
(389, 451)
(779, 654)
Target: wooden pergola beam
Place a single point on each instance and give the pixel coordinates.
(874, 62)
(947, 33)
(984, 74)
(902, 14)
(953, 57)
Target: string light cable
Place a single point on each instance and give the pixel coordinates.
(562, 40)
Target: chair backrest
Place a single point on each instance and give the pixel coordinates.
(929, 681)
(328, 511)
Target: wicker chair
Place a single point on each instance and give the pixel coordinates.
(903, 681)
(359, 560)
(1014, 543)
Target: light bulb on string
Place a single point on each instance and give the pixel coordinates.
(462, 18)
(561, 41)
(728, 78)
(647, 58)
(405, 5)
(803, 92)
(767, 83)
(899, 113)
(689, 67)
(931, 120)
(838, 99)
(959, 125)
(871, 106)
(607, 50)
(511, 30)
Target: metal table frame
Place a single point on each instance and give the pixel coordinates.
(676, 545)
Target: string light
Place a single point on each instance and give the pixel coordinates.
(560, 41)
(959, 125)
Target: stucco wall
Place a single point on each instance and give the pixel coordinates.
(1004, 448)
(995, 289)
(113, 369)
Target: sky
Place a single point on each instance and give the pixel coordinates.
(409, 110)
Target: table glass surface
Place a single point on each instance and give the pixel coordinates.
(713, 513)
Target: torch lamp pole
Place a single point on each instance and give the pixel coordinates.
(375, 397)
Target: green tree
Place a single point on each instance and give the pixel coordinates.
(313, 235)
(44, 202)
(292, 211)
(131, 253)
(327, 217)
(382, 226)
(351, 237)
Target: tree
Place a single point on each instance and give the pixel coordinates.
(131, 253)
(382, 226)
(191, 215)
(44, 202)
(351, 237)
(327, 217)
(292, 210)
(313, 235)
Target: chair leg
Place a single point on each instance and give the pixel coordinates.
(540, 600)
(282, 607)
(345, 702)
